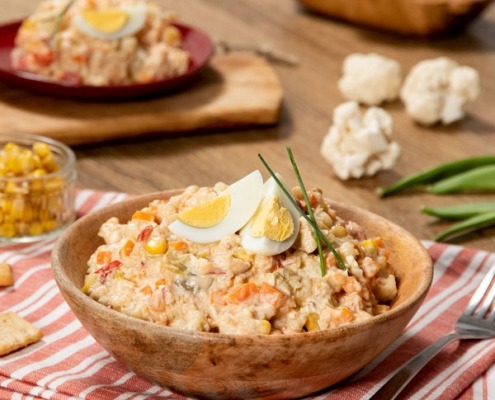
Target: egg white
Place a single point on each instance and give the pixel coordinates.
(137, 17)
(263, 245)
(245, 196)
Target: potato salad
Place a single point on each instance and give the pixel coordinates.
(100, 42)
(240, 259)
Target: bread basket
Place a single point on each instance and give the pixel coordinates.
(408, 17)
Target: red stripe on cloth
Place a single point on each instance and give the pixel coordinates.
(69, 364)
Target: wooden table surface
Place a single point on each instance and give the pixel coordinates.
(310, 95)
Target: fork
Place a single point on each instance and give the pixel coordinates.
(475, 322)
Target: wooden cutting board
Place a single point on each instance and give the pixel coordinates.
(235, 90)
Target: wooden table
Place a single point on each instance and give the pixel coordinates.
(310, 95)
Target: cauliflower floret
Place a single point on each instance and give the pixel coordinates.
(370, 79)
(360, 145)
(437, 90)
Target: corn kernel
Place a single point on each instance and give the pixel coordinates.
(36, 205)
(36, 228)
(156, 245)
(346, 315)
(11, 148)
(7, 229)
(312, 322)
(90, 281)
(243, 255)
(369, 247)
(339, 231)
(265, 327)
(41, 149)
(12, 188)
(17, 209)
(49, 224)
(172, 35)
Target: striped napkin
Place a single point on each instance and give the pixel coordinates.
(68, 364)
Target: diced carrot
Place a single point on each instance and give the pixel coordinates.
(313, 200)
(242, 293)
(80, 58)
(272, 295)
(161, 281)
(178, 245)
(127, 248)
(103, 257)
(44, 58)
(379, 241)
(146, 290)
(143, 215)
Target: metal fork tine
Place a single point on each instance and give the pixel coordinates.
(491, 317)
(480, 292)
(490, 297)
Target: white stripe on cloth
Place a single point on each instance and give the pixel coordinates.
(490, 379)
(39, 298)
(436, 306)
(57, 357)
(123, 379)
(26, 252)
(448, 376)
(69, 375)
(408, 333)
(24, 278)
(82, 196)
(57, 378)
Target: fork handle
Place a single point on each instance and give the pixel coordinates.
(403, 376)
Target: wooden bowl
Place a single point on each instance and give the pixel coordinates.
(409, 17)
(222, 366)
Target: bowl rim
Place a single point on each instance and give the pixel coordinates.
(62, 279)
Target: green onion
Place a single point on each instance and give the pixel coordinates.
(472, 224)
(318, 233)
(437, 173)
(59, 18)
(310, 211)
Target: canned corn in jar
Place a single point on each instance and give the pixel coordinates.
(37, 184)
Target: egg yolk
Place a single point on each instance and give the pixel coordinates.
(107, 21)
(207, 214)
(272, 221)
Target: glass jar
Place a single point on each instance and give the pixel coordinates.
(37, 187)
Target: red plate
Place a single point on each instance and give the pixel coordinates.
(195, 41)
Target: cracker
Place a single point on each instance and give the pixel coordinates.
(16, 332)
(6, 277)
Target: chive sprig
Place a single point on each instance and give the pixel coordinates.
(310, 218)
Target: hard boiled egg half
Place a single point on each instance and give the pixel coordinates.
(275, 225)
(269, 221)
(112, 23)
(222, 215)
